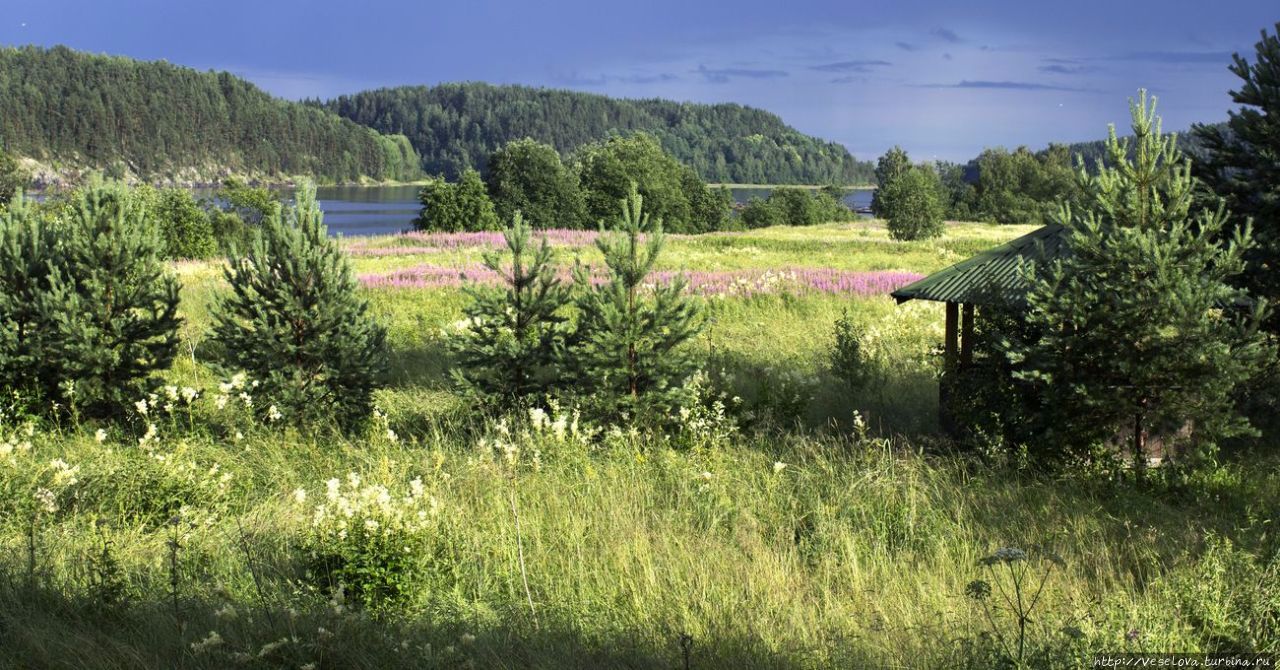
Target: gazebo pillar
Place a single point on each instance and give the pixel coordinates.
(950, 355)
(951, 348)
(966, 336)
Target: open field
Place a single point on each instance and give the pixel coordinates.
(795, 540)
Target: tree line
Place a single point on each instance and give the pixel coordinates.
(456, 127)
(154, 120)
(528, 177)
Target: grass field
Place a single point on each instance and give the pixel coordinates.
(796, 539)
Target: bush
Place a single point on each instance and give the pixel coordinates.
(846, 359)
(13, 179)
(89, 309)
(912, 205)
(762, 213)
(456, 207)
(367, 545)
(295, 324)
(512, 338)
(186, 229)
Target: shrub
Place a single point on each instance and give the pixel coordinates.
(762, 213)
(512, 338)
(186, 229)
(295, 324)
(456, 207)
(629, 344)
(13, 179)
(367, 545)
(912, 205)
(846, 359)
(90, 309)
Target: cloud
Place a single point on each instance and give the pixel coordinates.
(946, 56)
(946, 35)
(1062, 61)
(851, 66)
(850, 79)
(906, 46)
(606, 79)
(724, 75)
(1178, 57)
(1061, 68)
(1005, 85)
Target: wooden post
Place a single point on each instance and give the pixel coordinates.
(966, 336)
(953, 314)
(950, 351)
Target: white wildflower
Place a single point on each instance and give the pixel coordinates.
(779, 466)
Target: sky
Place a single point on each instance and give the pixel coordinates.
(941, 78)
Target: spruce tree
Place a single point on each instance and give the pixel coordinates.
(295, 323)
(512, 338)
(629, 347)
(1139, 326)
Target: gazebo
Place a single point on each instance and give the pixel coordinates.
(991, 275)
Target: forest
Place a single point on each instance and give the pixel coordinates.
(156, 121)
(457, 126)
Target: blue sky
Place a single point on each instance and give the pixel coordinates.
(941, 78)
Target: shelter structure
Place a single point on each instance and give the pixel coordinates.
(993, 275)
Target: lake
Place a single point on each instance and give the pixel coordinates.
(378, 210)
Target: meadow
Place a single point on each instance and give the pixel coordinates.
(793, 522)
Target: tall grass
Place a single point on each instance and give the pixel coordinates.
(799, 540)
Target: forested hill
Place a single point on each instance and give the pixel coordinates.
(454, 126)
(157, 121)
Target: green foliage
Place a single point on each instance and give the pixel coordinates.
(1021, 187)
(251, 204)
(893, 164)
(367, 545)
(761, 213)
(629, 347)
(161, 119)
(912, 204)
(1139, 325)
(513, 339)
(846, 359)
(88, 307)
(456, 207)
(527, 176)
(457, 126)
(1242, 163)
(672, 192)
(185, 227)
(295, 323)
(13, 179)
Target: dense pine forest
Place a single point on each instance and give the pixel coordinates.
(156, 121)
(457, 126)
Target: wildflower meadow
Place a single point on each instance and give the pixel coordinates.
(789, 515)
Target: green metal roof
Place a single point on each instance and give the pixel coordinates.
(990, 273)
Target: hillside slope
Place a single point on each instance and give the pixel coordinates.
(70, 110)
(454, 126)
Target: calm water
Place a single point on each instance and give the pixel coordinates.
(376, 210)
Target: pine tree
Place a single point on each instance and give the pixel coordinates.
(1242, 163)
(1140, 328)
(629, 345)
(513, 338)
(92, 306)
(295, 323)
(26, 261)
(13, 179)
